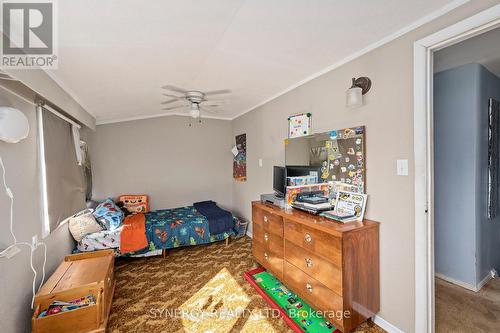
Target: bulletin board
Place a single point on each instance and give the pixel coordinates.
(342, 157)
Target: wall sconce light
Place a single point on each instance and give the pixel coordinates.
(354, 95)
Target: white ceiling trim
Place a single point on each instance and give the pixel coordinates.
(418, 23)
(120, 120)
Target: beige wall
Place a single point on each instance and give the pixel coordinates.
(23, 174)
(388, 117)
(174, 163)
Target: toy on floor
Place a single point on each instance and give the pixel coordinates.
(296, 313)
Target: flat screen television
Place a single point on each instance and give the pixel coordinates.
(279, 180)
(303, 170)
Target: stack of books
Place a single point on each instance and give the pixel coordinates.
(59, 306)
(311, 207)
(332, 214)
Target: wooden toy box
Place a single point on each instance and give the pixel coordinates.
(77, 276)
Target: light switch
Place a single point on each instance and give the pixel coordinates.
(402, 167)
(260, 162)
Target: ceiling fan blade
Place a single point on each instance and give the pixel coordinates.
(217, 92)
(216, 101)
(173, 96)
(170, 101)
(175, 107)
(174, 88)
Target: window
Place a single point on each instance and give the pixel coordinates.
(62, 186)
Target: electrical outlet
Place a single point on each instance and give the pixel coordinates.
(34, 241)
(260, 162)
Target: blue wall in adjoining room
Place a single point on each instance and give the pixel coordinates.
(454, 170)
(487, 231)
(467, 244)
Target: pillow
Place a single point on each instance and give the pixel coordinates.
(138, 203)
(83, 223)
(109, 215)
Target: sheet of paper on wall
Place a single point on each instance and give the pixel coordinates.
(235, 151)
(299, 125)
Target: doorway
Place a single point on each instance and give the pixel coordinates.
(466, 125)
(424, 149)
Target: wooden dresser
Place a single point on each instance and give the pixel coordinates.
(332, 266)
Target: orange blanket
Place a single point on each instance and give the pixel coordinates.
(133, 235)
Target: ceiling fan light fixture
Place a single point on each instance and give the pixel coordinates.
(195, 110)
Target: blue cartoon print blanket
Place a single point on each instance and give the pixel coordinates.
(184, 226)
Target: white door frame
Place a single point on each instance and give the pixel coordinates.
(423, 142)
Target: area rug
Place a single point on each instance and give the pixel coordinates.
(194, 289)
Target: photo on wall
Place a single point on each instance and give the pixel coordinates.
(240, 160)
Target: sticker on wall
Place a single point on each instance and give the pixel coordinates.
(240, 160)
(299, 125)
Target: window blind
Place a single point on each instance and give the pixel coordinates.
(64, 186)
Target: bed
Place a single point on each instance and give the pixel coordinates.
(165, 229)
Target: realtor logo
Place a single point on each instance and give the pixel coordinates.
(28, 35)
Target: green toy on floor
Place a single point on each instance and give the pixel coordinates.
(297, 310)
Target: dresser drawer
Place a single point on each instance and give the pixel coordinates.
(269, 259)
(322, 270)
(315, 293)
(325, 245)
(270, 222)
(270, 241)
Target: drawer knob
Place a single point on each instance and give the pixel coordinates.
(266, 256)
(309, 262)
(265, 218)
(309, 287)
(266, 237)
(308, 238)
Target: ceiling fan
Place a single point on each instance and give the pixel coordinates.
(192, 101)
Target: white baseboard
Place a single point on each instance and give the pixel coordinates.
(390, 328)
(484, 281)
(465, 285)
(249, 234)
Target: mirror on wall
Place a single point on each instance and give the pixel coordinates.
(335, 157)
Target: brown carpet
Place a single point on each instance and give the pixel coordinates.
(206, 277)
(460, 310)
